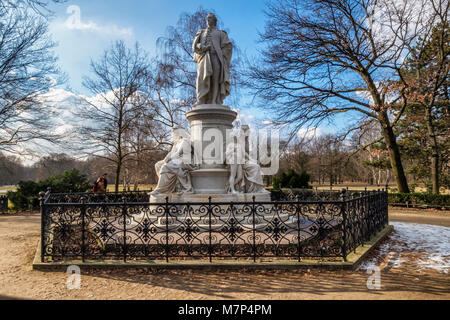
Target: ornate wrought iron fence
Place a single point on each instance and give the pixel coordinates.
(87, 229)
(95, 197)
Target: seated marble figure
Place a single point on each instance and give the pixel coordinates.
(245, 174)
(174, 171)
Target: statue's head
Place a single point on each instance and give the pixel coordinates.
(211, 20)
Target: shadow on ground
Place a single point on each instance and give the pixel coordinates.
(228, 284)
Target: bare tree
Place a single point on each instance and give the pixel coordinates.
(372, 155)
(118, 78)
(27, 69)
(328, 57)
(144, 140)
(38, 6)
(54, 164)
(12, 170)
(165, 106)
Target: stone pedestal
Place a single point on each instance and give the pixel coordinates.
(210, 180)
(210, 124)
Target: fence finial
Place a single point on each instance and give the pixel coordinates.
(41, 196)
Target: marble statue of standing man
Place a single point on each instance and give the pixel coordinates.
(212, 53)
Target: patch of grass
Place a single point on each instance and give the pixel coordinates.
(8, 188)
(359, 187)
(4, 190)
(352, 188)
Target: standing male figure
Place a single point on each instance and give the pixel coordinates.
(101, 184)
(212, 53)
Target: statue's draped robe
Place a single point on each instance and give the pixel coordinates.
(173, 171)
(253, 177)
(252, 173)
(223, 47)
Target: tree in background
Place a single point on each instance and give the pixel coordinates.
(328, 57)
(27, 69)
(38, 6)
(27, 192)
(118, 78)
(12, 170)
(325, 157)
(370, 150)
(291, 179)
(427, 117)
(54, 164)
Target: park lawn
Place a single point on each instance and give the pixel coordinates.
(4, 190)
(369, 188)
(8, 188)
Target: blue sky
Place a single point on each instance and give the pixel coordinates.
(101, 22)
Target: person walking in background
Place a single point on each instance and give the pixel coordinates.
(101, 184)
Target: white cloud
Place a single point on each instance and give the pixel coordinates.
(392, 19)
(74, 22)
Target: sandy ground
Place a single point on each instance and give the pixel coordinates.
(19, 236)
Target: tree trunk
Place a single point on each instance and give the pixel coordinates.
(117, 182)
(394, 153)
(434, 151)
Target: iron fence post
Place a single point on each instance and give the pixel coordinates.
(379, 212)
(298, 229)
(386, 205)
(368, 214)
(167, 228)
(362, 213)
(43, 222)
(124, 215)
(254, 231)
(83, 227)
(344, 223)
(210, 231)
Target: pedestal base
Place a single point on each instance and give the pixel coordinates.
(204, 198)
(207, 181)
(191, 209)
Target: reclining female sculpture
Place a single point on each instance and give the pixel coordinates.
(245, 174)
(174, 169)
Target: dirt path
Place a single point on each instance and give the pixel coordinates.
(19, 236)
